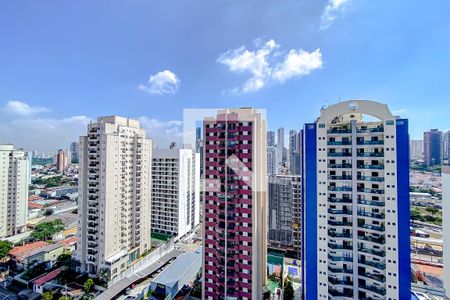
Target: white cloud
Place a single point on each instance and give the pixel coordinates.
(333, 8)
(164, 82)
(21, 108)
(163, 132)
(298, 63)
(266, 64)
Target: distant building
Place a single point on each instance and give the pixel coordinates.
(271, 160)
(175, 205)
(280, 151)
(284, 214)
(61, 160)
(199, 147)
(235, 199)
(446, 226)
(416, 149)
(432, 147)
(356, 207)
(74, 150)
(270, 138)
(447, 145)
(14, 176)
(113, 195)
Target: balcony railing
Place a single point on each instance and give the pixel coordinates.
(371, 202)
(339, 154)
(335, 177)
(378, 240)
(371, 191)
(339, 143)
(375, 289)
(339, 235)
(340, 258)
(381, 253)
(340, 188)
(372, 227)
(370, 167)
(339, 200)
(339, 223)
(370, 142)
(340, 211)
(339, 166)
(370, 178)
(371, 214)
(338, 131)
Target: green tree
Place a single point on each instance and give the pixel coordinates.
(288, 290)
(5, 247)
(88, 285)
(104, 275)
(65, 298)
(44, 231)
(47, 296)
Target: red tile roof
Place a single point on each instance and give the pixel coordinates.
(69, 241)
(47, 277)
(35, 205)
(31, 198)
(21, 251)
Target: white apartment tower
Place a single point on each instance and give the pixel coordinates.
(355, 205)
(114, 195)
(14, 171)
(175, 207)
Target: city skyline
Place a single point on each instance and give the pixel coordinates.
(64, 65)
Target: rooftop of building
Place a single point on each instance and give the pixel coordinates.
(24, 249)
(174, 272)
(47, 277)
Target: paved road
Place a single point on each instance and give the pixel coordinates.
(118, 287)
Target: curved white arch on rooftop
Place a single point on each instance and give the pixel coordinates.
(367, 107)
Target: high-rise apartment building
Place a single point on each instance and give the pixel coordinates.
(199, 146)
(74, 150)
(416, 149)
(61, 160)
(234, 219)
(294, 152)
(270, 138)
(284, 214)
(446, 226)
(355, 204)
(113, 195)
(447, 145)
(175, 206)
(14, 168)
(280, 151)
(432, 147)
(271, 160)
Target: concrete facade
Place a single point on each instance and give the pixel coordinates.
(175, 205)
(14, 176)
(114, 195)
(234, 219)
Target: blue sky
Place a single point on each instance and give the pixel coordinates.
(63, 63)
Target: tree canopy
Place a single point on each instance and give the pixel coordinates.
(44, 231)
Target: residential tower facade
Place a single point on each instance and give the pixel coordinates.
(355, 204)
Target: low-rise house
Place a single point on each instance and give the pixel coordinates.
(69, 243)
(20, 253)
(39, 283)
(31, 254)
(47, 254)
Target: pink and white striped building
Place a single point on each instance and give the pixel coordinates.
(234, 216)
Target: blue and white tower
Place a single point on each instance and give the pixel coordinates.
(355, 199)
